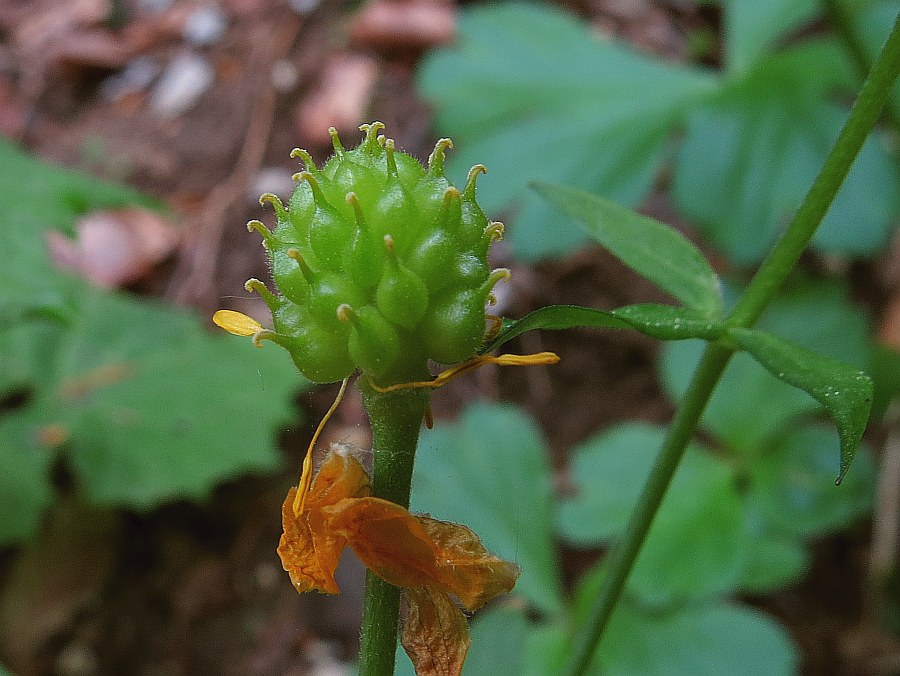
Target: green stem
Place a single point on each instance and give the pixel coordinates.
(622, 559)
(395, 419)
(761, 290)
(865, 112)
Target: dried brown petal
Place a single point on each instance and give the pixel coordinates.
(435, 634)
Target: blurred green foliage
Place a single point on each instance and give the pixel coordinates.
(533, 90)
(730, 525)
(136, 398)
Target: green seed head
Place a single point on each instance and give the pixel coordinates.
(381, 263)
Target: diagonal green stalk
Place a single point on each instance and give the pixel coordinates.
(759, 293)
(396, 419)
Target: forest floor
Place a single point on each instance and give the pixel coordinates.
(199, 104)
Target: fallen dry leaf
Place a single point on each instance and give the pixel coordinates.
(46, 21)
(339, 99)
(403, 25)
(114, 248)
(96, 48)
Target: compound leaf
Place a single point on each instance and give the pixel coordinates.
(665, 322)
(701, 517)
(845, 392)
(159, 409)
(750, 155)
(537, 94)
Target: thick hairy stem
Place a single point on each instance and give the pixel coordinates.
(396, 418)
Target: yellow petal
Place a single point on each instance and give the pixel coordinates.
(435, 634)
(417, 551)
(236, 323)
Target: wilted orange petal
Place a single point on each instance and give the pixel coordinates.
(435, 634)
(309, 548)
(308, 552)
(474, 574)
(340, 476)
(416, 551)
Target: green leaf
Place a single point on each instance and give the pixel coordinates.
(845, 392)
(792, 485)
(546, 649)
(701, 640)
(774, 559)
(872, 20)
(695, 546)
(24, 483)
(26, 346)
(752, 28)
(652, 249)
(557, 317)
(535, 94)
(37, 196)
(498, 642)
(750, 155)
(658, 321)
(490, 471)
(152, 407)
(773, 563)
(607, 473)
(669, 323)
(159, 409)
(815, 314)
(695, 638)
